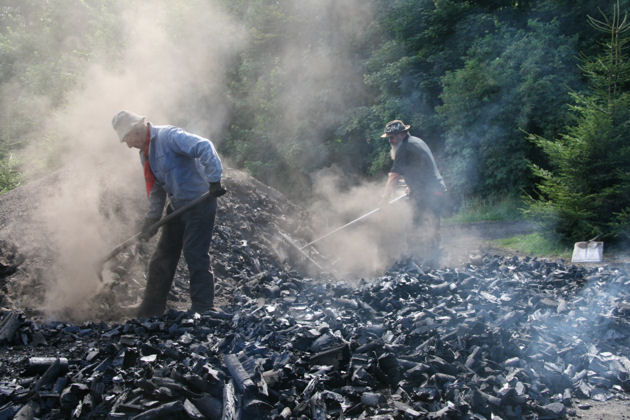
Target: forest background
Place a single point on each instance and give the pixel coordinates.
(520, 100)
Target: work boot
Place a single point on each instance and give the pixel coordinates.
(200, 309)
(149, 310)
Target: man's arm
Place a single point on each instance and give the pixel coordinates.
(200, 148)
(392, 180)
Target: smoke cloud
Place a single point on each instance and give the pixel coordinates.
(169, 64)
(368, 245)
(170, 73)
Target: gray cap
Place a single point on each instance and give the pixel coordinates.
(125, 121)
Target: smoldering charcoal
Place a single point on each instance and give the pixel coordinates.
(505, 337)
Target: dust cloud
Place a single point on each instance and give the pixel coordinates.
(319, 82)
(170, 65)
(370, 244)
(97, 198)
(314, 80)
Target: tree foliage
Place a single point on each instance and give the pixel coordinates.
(45, 48)
(318, 79)
(585, 191)
(514, 79)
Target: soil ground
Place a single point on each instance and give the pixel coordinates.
(601, 410)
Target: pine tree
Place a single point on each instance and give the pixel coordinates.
(586, 191)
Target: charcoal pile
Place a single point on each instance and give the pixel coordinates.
(250, 237)
(509, 338)
(253, 221)
(499, 337)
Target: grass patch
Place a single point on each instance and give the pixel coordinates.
(535, 244)
(487, 209)
(10, 176)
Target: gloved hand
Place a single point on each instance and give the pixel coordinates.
(216, 190)
(147, 231)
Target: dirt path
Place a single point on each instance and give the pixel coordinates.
(463, 242)
(601, 410)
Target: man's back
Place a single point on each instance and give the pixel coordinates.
(414, 161)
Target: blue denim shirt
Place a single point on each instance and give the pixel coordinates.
(183, 164)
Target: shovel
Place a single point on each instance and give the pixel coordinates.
(371, 212)
(154, 226)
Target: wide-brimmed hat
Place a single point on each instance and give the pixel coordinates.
(394, 127)
(125, 121)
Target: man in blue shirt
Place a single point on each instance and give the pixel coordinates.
(179, 166)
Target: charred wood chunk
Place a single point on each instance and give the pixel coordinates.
(256, 409)
(8, 411)
(285, 413)
(198, 384)
(240, 376)
(9, 325)
(447, 412)
(117, 402)
(337, 357)
(483, 402)
(209, 406)
(173, 386)
(388, 364)
(229, 411)
(173, 409)
(50, 376)
(334, 401)
(37, 365)
(72, 395)
(554, 410)
(130, 357)
(318, 407)
(192, 412)
(28, 411)
(373, 399)
(472, 361)
(310, 388)
(323, 342)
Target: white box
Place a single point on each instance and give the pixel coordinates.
(591, 251)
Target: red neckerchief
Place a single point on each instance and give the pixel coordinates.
(149, 178)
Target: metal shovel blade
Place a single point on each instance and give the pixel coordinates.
(588, 251)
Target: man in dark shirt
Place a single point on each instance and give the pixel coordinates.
(414, 162)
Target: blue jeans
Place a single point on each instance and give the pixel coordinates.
(191, 232)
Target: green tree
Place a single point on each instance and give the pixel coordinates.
(291, 87)
(514, 79)
(586, 190)
(9, 174)
(44, 50)
(470, 77)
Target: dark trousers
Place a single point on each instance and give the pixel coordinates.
(191, 232)
(423, 240)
